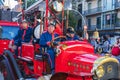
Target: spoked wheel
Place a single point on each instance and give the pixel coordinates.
(59, 76)
(4, 72)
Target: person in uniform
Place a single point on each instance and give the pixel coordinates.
(45, 40)
(71, 34)
(24, 35)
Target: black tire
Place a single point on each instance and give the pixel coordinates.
(59, 76)
(14, 65)
(4, 71)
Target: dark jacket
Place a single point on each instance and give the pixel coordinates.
(76, 37)
(24, 35)
(46, 37)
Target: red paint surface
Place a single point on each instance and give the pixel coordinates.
(3, 45)
(6, 23)
(28, 51)
(81, 57)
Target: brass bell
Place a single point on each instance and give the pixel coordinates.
(96, 34)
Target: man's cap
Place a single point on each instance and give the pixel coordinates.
(70, 30)
(51, 24)
(24, 21)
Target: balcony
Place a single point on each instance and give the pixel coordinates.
(93, 11)
(93, 27)
(107, 27)
(88, 0)
(117, 6)
(117, 25)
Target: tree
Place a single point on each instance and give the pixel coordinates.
(28, 3)
(73, 18)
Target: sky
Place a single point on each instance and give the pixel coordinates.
(10, 3)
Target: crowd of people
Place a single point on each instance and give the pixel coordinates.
(104, 45)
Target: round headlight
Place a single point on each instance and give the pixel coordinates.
(100, 71)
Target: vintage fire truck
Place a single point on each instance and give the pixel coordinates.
(75, 60)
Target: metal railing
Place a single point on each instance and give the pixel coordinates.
(106, 27)
(93, 27)
(93, 11)
(117, 24)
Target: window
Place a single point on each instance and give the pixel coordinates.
(110, 20)
(89, 23)
(80, 8)
(114, 18)
(108, 17)
(9, 32)
(108, 5)
(89, 6)
(99, 3)
(79, 25)
(98, 23)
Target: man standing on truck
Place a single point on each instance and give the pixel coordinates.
(45, 43)
(24, 36)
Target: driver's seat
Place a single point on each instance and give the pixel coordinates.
(26, 52)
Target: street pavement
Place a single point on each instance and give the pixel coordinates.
(1, 77)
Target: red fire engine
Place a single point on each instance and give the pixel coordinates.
(75, 60)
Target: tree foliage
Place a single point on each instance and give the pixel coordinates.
(30, 2)
(73, 19)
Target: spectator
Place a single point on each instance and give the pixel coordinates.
(106, 45)
(116, 48)
(93, 42)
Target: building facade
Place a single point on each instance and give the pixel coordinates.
(101, 14)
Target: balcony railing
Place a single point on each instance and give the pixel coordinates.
(92, 27)
(107, 27)
(93, 11)
(117, 5)
(117, 25)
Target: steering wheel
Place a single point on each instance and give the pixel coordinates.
(57, 40)
(60, 38)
